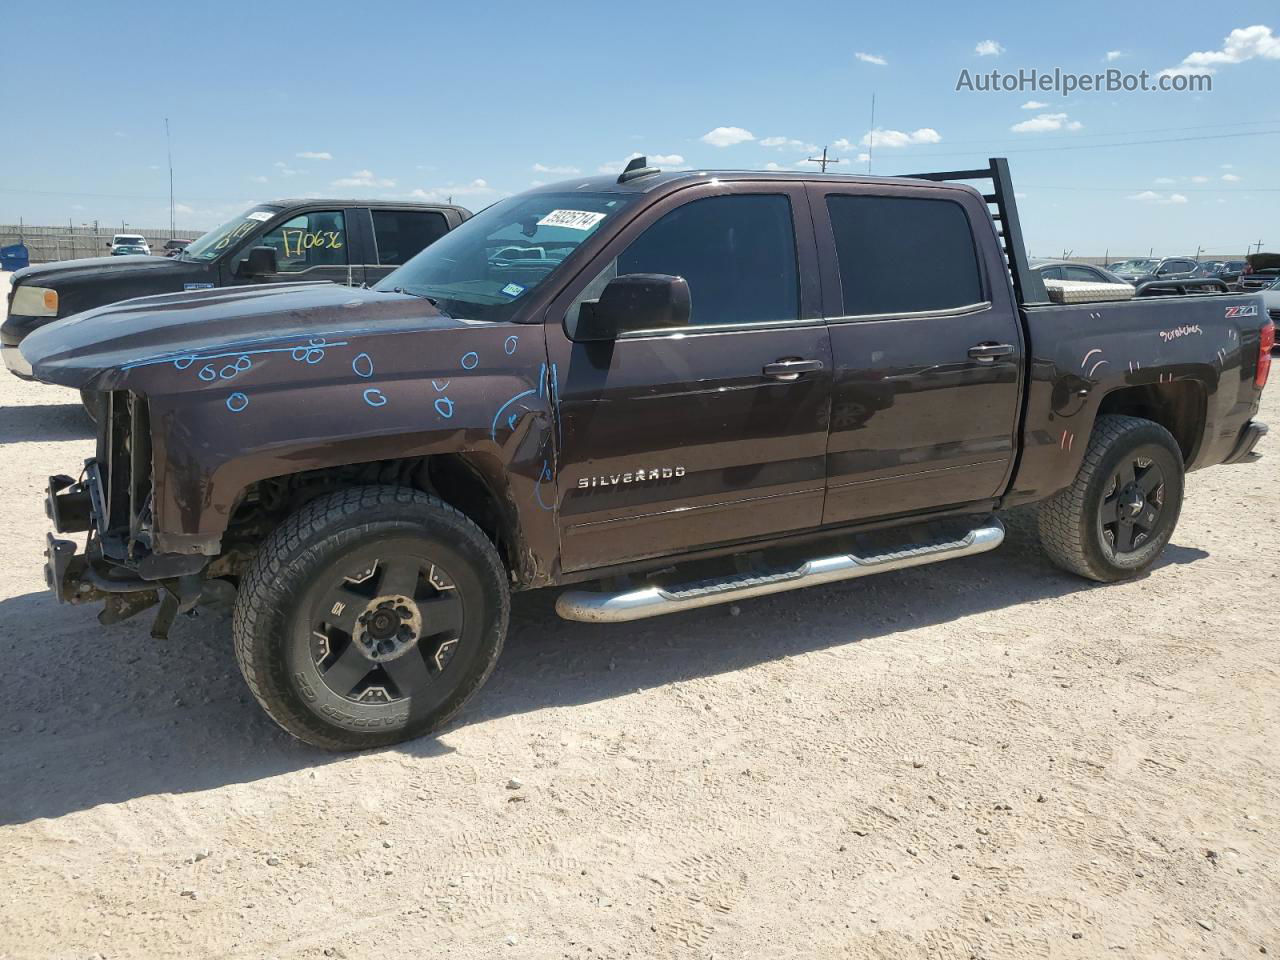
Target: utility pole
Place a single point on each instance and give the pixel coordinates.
(169, 148)
(1259, 246)
(871, 137)
(823, 160)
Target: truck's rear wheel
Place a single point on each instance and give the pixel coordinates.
(370, 616)
(1119, 513)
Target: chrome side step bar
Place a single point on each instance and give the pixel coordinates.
(651, 601)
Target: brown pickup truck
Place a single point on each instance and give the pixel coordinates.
(656, 392)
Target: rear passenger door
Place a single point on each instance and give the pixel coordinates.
(926, 346)
(399, 236)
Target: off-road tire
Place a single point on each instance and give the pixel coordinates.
(1070, 527)
(273, 606)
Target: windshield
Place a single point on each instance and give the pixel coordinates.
(216, 241)
(481, 270)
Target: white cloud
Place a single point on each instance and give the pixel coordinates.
(476, 188)
(549, 168)
(1165, 180)
(1045, 122)
(363, 178)
(1241, 44)
(897, 138)
(183, 208)
(988, 48)
(872, 58)
(727, 136)
(1227, 166)
(1034, 105)
(1114, 55)
(1199, 179)
(286, 170)
(1230, 178)
(258, 179)
(786, 143)
(667, 161)
(314, 155)
(1150, 196)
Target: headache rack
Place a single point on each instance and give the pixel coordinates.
(1027, 285)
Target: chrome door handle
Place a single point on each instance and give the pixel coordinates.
(791, 368)
(989, 351)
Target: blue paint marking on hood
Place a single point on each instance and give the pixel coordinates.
(108, 347)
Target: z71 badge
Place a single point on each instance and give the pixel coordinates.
(1242, 310)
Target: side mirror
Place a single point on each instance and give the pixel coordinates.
(635, 301)
(108, 244)
(260, 262)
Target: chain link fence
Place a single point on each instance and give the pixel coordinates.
(67, 242)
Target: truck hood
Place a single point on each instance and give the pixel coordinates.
(113, 347)
(94, 281)
(91, 268)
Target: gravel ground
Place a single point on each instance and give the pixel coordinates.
(986, 758)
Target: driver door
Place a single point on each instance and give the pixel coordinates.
(675, 440)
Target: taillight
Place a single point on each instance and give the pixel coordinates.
(1265, 346)
(1247, 269)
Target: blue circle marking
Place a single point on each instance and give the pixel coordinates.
(362, 366)
(470, 360)
(375, 397)
(510, 346)
(444, 407)
(237, 402)
(183, 362)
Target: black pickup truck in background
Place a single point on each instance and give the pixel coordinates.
(347, 241)
(657, 392)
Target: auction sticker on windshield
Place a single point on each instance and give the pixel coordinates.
(573, 219)
(260, 215)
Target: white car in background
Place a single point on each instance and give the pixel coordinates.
(130, 240)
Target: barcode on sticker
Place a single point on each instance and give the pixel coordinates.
(573, 219)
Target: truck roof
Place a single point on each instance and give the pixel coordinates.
(647, 183)
(374, 204)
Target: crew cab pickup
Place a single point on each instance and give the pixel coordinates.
(347, 241)
(655, 392)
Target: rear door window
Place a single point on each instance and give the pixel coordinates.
(401, 234)
(901, 255)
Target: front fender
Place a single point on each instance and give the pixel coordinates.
(480, 390)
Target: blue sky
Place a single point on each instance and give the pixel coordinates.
(479, 100)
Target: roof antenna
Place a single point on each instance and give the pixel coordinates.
(638, 167)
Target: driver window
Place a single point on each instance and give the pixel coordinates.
(737, 253)
(317, 239)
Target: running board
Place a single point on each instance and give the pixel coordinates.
(651, 601)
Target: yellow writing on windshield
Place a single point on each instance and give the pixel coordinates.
(236, 234)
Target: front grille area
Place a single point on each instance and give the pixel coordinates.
(124, 473)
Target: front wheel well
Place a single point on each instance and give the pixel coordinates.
(1180, 407)
(464, 481)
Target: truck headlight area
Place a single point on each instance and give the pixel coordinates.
(34, 302)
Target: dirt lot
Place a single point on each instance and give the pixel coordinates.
(986, 758)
